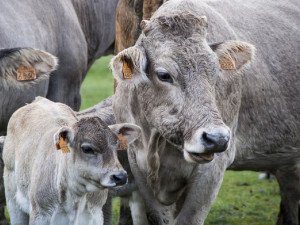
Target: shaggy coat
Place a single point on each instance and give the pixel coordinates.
(205, 104)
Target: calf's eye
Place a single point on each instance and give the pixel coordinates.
(165, 77)
(87, 150)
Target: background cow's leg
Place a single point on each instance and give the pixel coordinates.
(201, 192)
(289, 182)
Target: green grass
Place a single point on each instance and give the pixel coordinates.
(243, 199)
(98, 84)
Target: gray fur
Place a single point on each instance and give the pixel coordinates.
(103, 110)
(52, 187)
(77, 32)
(14, 93)
(258, 102)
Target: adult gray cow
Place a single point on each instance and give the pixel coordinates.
(202, 109)
(76, 31)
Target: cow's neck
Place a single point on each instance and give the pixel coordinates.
(67, 181)
(97, 21)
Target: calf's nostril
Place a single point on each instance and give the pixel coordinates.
(120, 178)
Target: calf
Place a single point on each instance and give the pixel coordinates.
(46, 186)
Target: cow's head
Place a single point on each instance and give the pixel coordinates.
(175, 73)
(92, 147)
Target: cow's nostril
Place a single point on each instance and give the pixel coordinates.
(208, 140)
(215, 142)
(120, 178)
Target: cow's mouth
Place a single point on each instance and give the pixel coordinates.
(201, 157)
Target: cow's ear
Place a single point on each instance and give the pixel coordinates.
(233, 55)
(64, 138)
(129, 66)
(26, 64)
(129, 131)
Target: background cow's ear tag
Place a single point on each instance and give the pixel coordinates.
(127, 73)
(62, 145)
(226, 63)
(123, 142)
(26, 73)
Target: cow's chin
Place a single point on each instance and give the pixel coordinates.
(200, 158)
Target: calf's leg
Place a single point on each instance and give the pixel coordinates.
(17, 216)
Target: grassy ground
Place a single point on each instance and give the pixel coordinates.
(243, 199)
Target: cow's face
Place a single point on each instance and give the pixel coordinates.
(175, 72)
(93, 152)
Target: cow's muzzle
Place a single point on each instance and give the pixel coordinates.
(215, 142)
(205, 143)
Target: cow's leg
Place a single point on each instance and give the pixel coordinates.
(157, 214)
(202, 190)
(65, 82)
(17, 216)
(289, 182)
(137, 207)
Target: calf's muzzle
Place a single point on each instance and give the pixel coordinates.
(119, 178)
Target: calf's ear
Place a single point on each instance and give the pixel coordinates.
(233, 55)
(129, 66)
(129, 131)
(63, 138)
(26, 64)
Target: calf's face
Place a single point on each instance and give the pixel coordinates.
(93, 151)
(174, 72)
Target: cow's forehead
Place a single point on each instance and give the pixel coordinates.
(177, 58)
(96, 131)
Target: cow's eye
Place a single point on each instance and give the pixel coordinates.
(87, 150)
(165, 77)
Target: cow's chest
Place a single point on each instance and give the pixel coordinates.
(174, 174)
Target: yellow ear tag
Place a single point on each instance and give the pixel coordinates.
(62, 145)
(226, 63)
(26, 73)
(127, 73)
(123, 142)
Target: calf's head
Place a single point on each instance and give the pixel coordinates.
(174, 73)
(93, 145)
